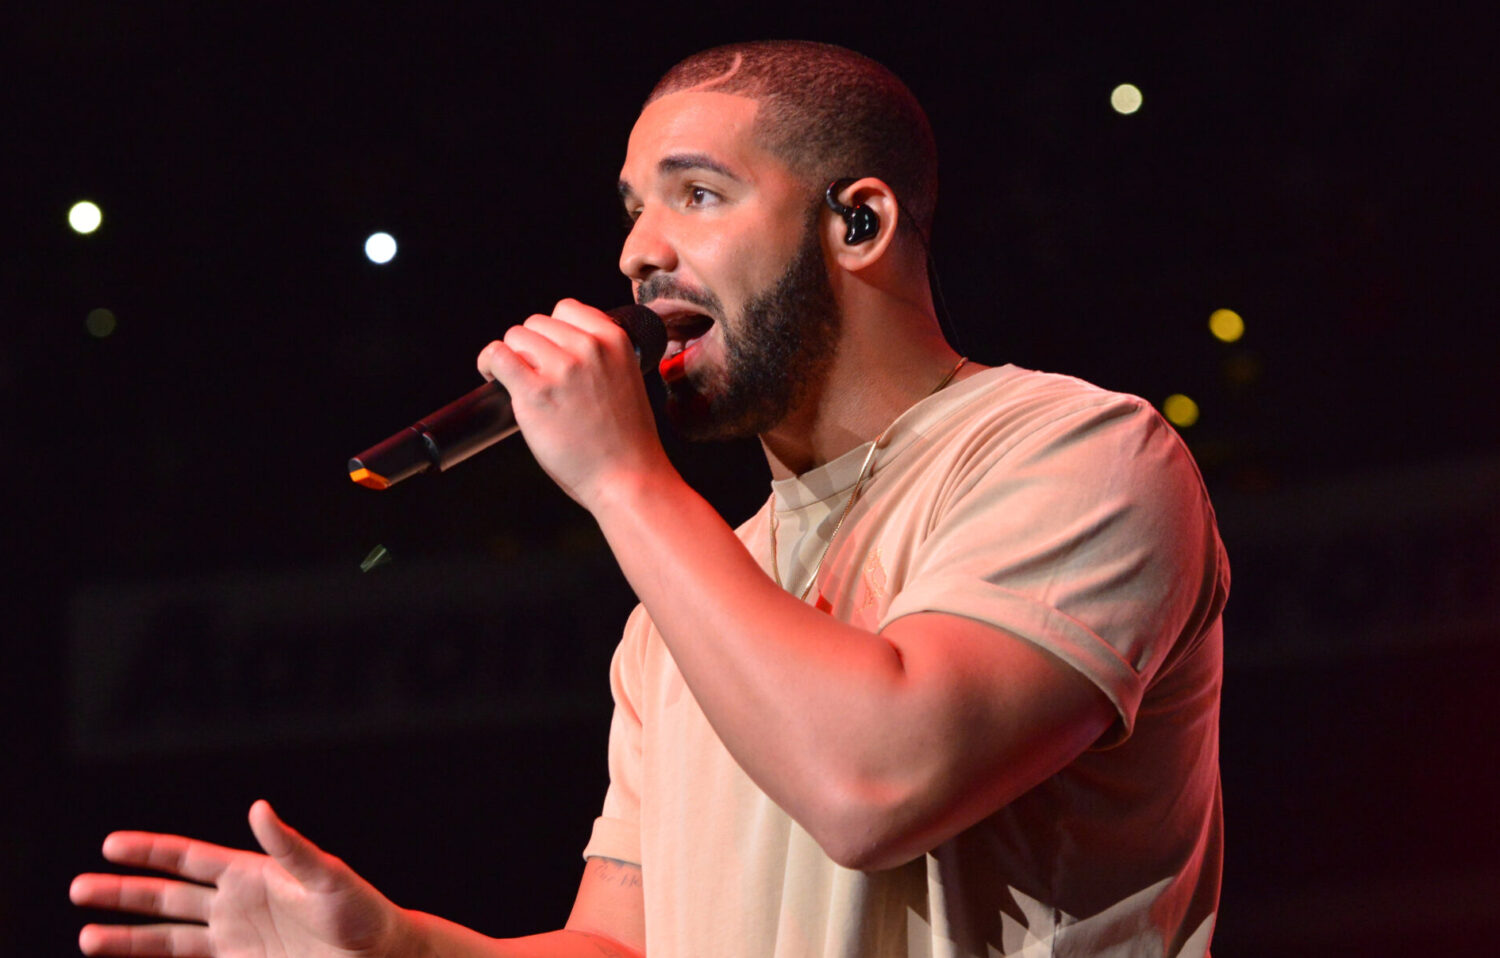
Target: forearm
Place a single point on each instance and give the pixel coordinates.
(810, 707)
(431, 937)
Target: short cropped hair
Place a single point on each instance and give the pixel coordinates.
(828, 113)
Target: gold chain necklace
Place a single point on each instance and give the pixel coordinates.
(859, 481)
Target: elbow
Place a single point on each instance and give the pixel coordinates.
(870, 856)
(868, 828)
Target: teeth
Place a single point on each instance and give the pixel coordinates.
(684, 330)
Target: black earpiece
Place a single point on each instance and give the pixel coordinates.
(862, 222)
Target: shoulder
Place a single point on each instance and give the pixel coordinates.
(1021, 417)
(1020, 401)
(1042, 457)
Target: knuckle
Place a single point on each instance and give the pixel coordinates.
(618, 336)
(592, 348)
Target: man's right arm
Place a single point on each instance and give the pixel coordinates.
(297, 900)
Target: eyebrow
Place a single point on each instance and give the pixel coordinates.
(677, 162)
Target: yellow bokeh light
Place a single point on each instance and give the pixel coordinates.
(100, 322)
(1242, 369)
(1126, 98)
(1226, 325)
(1180, 410)
(85, 217)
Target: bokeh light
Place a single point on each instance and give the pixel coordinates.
(1180, 411)
(1226, 325)
(1242, 369)
(1126, 98)
(380, 248)
(100, 322)
(85, 217)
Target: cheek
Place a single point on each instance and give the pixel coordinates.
(737, 267)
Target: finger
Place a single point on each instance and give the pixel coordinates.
(179, 941)
(535, 346)
(525, 360)
(568, 336)
(596, 323)
(143, 896)
(585, 317)
(498, 361)
(305, 861)
(199, 861)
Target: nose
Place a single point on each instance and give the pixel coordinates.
(646, 248)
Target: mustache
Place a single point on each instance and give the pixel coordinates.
(661, 286)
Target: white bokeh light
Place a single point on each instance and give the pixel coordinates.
(85, 217)
(380, 248)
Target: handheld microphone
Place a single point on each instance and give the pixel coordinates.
(482, 418)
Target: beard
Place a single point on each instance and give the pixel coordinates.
(775, 352)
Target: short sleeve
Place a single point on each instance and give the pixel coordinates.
(617, 830)
(1087, 533)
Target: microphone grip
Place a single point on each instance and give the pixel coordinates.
(467, 425)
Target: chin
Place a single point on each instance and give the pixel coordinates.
(691, 415)
(698, 417)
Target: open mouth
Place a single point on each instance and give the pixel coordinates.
(684, 331)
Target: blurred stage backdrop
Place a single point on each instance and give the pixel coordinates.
(187, 624)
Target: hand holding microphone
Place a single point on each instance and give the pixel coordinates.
(485, 415)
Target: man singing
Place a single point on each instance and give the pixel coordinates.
(953, 691)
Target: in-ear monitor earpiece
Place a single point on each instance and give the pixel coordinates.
(862, 222)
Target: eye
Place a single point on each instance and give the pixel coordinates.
(628, 218)
(701, 196)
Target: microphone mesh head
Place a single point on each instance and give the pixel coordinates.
(646, 332)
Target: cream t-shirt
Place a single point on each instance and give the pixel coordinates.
(1066, 515)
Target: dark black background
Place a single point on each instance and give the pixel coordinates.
(1322, 171)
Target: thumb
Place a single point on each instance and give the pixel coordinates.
(301, 858)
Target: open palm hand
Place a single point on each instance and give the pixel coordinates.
(295, 901)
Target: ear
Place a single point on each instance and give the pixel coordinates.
(877, 198)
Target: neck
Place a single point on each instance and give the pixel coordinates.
(872, 381)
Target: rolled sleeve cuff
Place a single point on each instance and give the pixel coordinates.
(1043, 626)
(616, 839)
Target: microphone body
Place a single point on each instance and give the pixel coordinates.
(481, 418)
